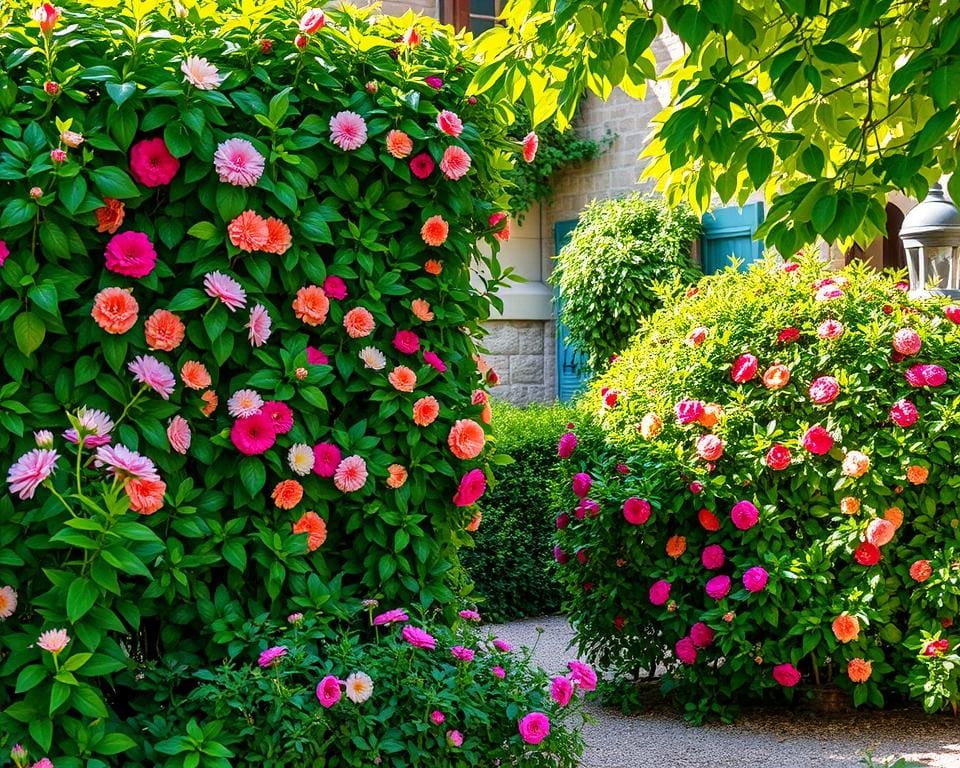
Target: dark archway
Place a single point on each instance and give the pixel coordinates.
(893, 254)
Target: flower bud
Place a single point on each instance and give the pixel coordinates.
(301, 374)
(300, 41)
(58, 155)
(71, 138)
(266, 45)
(36, 193)
(372, 86)
(51, 88)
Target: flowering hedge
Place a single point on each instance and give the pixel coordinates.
(238, 329)
(778, 506)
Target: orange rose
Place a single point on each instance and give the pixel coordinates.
(859, 670)
(435, 231)
(358, 322)
(110, 217)
(212, 401)
(398, 476)
(287, 494)
(399, 144)
(195, 375)
(855, 464)
(650, 426)
(433, 267)
(146, 496)
(712, 413)
(917, 474)
(248, 231)
(921, 570)
(278, 237)
(311, 305)
(164, 330)
(421, 309)
(115, 310)
(846, 628)
(776, 376)
(313, 525)
(895, 516)
(466, 439)
(676, 546)
(849, 505)
(425, 411)
(403, 379)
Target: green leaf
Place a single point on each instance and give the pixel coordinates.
(59, 694)
(823, 213)
(81, 596)
(759, 165)
(45, 297)
(114, 744)
(30, 677)
(203, 230)
(29, 332)
(253, 475)
(17, 212)
(188, 298)
(75, 662)
(121, 92)
(53, 241)
(41, 731)
(114, 182)
(88, 701)
(72, 192)
(234, 553)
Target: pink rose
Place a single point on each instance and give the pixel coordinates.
(713, 557)
(880, 532)
(660, 592)
(952, 313)
(130, 254)
(824, 390)
(567, 445)
(562, 521)
(561, 690)
(418, 638)
(718, 587)
(328, 691)
(636, 511)
(406, 342)
(701, 635)
(744, 368)
(817, 440)
(581, 484)
(534, 727)
(560, 556)
(709, 447)
(686, 651)
(907, 342)
(830, 329)
(903, 413)
(151, 163)
(688, 411)
(925, 376)
(335, 288)
(582, 675)
(744, 515)
(755, 579)
(472, 486)
(696, 487)
(786, 674)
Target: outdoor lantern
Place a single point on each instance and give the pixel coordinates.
(931, 238)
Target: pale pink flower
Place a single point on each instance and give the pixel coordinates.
(359, 687)
(152, 373)
(53, 640)
(8, 602)
(244, 403)
(30, 470)
(389, 617)
(179, 435)
(312, 21)
(449, 123)
(43, 762)
(94, 424)
(225, 288)
(300, 458)
(351, 474)
(531, 142)
(43, 438)
(200, 73)
(237, 162)
(259, 325)
(126, 464)
(455, 163)
(348, 130)
(373, 358)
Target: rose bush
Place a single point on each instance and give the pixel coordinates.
(777, 505)
(239, 335)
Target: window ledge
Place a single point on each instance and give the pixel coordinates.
(532, 300)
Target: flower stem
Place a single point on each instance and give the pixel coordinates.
(130, 405)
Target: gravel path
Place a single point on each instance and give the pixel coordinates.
(759, 739)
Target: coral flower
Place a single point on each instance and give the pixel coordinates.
(8, 602)
(855, 464)
(151, 163)
(830, 329)
(859, 670)
(164, 331)
(225, 288)
(676, 546)
(46, 15)
(311, 305)
(776, 376)
(244, 403)
(358, 322)
(53, 640)
(433, 267)
(348, 130)
(398, 476)
(531, 142)
(372, 358)
(146, 496)
(151, 373)
(253, 435)
(211, 401)
(466, 439)
(399, 145)
(849, 505)
(474, 525)
(314, 526)
(917, 475)
(422, 165)
(449, 123)
(846, 628)
(350, 475)
(258, 326)
(327, 458)
(712, 413)
(894, 515)
(249, 231)
(778, 457)
(421, 310)
(200, 73)
(130, 254)
(278, 237)
(178, 434)
(471, 488)
(30, 470)
(455, 163)
(403, 379)
(708, 521)
(880, 532)
(110, 216)
(425, 411)
(287, 494)
(434, 231)
(195, 375)
(709, 447)
(921, 570)
(651, 425)
(500, 223)
(115, 310)
(237, 162)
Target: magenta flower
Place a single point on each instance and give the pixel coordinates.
(534, 727)
(701, 635)
(253, 435)
(434, 361)
(744, 515)
(718, 587)
(150, 372)
(259, 325)
(502, 645)
(686, 651)
(125, 464)
(713, 557)
(280, 416)
(326, 459)
(328, 691)
(348, 130)
(237, 162)
(225, 288)
(688, 411)
(30, 470)
(316, 356)
(335, 288)
(499, 671)
(786, 674)
(824, 389)
(660, 592)
(472, 486)
(455, 738)
(392, 616)
(437, 717)
(461, 653)
(636, 511)
(418, 637)
(469, 615)
(434, 82)
(271, 657)
(567, 445)
(925, 376)
(422, 165)
(755, 579)
(130, 254)
(406, 342)
(903, 413)
(581, 483)
(561, 690)
(582, 675)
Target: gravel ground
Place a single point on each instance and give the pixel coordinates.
(759, 739)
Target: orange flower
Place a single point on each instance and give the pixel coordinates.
(110, 217)
(434, 231)
(650, 426)
(146, 496)
(403, 379)
(421, 309)
(211, 400)
(287, 494)
(115, 310)
(195, 375)
(482, 365)
(846, 628)
(249, 232)
(399, 144)
(359, 323)
(313, 525)
(849, 505)
(712, 413)
(917, 474)
(163, 330)
(676, 546)
(895, 516)
(466, 439)
(921, 570)
(486, 415)
(859, 670)
(278, 237)
(311, 305)
(776, 376)
(398, 475)
(855, 464)
(474, 523)
(425, 411)
(433, 267)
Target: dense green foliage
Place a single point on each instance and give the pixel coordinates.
(825, 106)
(608, 271)
(802, 501)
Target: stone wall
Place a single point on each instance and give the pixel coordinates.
(400, 7)
(523, 353)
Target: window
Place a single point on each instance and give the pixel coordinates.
(475, 15)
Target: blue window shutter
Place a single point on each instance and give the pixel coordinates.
(572, 371)
(729, 232)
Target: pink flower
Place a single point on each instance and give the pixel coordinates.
(582, 675)
(58, 155)
(434, 82)
(418, 638)
(709, 447)
(178, 434)
(688, 411)
(43, 762)
(567, 445)
(531, 142)
(200, 73)
(280, 416)
(788, 335)
(697, 336)
(455, 163)
(469, 615)
(744, 515)
(880, 532)
(131, 254)
(53, 640)
(328, 691)
(817, 440)
(317, 357)
(744, 368)
(925, 376)
(312, 21)
(348, 130)
(46, 16)
(327, 458)
(778, 457)
(449, 123)
(499, 672)
(472, 486)
(755, 579)
(686, 651)
(713, 557)
(4, 252)
(907, 342)
(30, 470)
(786, 674)
(660, 592)
(455, 738)
(701, 635)
(394, 615)
(636, 511)
(350, 475)
(150, 372)
(94, 425)
(151, 163)
(422, 165)
(437, 717)
(561, 690)
(534, 727)
(335, 288)
(952, 313)
(434, 361)
(125, 464)
(581, 484)
(461, 653)
(828, 292)
(718, 587)
(903, 413)
(824, 390)
(502, 645)
(253, 435)
(225, 288)
(271, 657)
(244, 403)
(406, 342)
(830, 329)
(258, 326)
(237, 162)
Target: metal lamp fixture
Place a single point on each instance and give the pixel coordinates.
(931, 239)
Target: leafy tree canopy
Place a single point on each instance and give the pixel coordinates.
(824, 106)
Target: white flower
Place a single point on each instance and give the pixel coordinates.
(243, 403)
(373, 358)
(300, 458)
(359, 687)
(200, 73)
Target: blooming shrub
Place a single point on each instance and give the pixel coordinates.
(778, 504)
(234, 251)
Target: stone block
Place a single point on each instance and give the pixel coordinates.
(502, 338)
(526, 369)
(530, 339)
